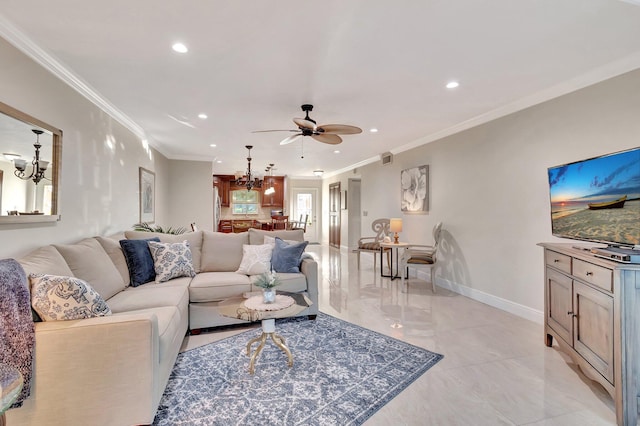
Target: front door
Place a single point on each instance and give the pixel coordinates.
(305, 205)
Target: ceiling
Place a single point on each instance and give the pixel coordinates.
(372, 64)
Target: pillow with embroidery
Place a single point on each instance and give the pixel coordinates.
(171, 260)
(56, 298)
(256, 259)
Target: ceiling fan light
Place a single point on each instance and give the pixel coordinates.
(318, 173)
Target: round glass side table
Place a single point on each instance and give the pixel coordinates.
(10, 387)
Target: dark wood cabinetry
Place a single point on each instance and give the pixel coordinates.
(222, 182)
(275, 199)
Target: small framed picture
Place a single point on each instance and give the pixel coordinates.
(147, 196)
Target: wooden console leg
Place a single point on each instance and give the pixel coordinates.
(549, 340)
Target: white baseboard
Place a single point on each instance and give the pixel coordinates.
(488, 299)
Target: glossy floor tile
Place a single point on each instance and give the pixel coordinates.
(496, 369)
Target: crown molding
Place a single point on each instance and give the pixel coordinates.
(22, 42)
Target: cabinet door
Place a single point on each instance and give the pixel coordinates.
(275, 199)
(560, 304)
(593, 337)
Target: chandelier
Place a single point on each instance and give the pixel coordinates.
(39, 166)
(248, 180)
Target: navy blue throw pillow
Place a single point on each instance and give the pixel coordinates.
(139, 260)
(287, 257)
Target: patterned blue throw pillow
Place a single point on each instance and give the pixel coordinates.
(171, 260)
(287, 257)
(139, 260)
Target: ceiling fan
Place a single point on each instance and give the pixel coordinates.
(326, 133)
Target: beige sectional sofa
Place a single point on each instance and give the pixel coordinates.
(112, 370)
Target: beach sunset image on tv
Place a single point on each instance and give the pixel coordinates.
(597, 199)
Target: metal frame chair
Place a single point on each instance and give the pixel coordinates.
(300, 224)
(419, 256)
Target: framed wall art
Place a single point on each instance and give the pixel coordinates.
(414, 189)
(147, 196)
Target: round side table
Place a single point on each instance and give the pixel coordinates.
(10, 387)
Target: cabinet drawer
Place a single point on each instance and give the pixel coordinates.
(558, 261)
(593, 274)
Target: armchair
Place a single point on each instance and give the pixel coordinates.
(419, 256)
(372, 244)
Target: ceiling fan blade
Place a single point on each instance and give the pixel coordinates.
(290, 139)
(305, 124)
(265, 131)
(330, 139)
(338, 129)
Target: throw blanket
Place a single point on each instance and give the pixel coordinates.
(17, 333)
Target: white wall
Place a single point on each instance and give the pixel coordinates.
(191, 194)
(488, 185)
(100, 161)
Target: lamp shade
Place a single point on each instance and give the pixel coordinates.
(395, 225)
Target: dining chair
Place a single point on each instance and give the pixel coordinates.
(279, 222)
(300, 224)
(418, 256)
(372, 244)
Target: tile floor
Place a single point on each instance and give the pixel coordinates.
(496, 369)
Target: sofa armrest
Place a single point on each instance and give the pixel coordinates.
(90, 367)
(309, 268)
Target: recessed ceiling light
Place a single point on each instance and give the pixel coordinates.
(180, 48)
(213, 145)
(219, 161)
(337, 151)
(374, 130)
(203, 116)
(452, 84)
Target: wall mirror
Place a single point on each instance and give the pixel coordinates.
(30, 154)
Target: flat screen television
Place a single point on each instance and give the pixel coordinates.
(598, 199)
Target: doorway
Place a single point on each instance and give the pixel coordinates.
(305, 203)
(334, 215)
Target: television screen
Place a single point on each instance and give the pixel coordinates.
(598, 199)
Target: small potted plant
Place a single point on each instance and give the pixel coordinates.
(268, 282)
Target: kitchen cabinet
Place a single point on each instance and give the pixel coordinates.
(275, 199)
(223, 183)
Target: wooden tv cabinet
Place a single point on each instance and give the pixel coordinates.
(592, 309)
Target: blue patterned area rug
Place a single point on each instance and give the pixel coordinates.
(342, 374)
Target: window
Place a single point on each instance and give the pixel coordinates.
(244, 202)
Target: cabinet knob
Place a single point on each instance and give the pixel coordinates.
(571, 313)
(589, 273)
(556, 260)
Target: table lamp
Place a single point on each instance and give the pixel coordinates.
(395, 226)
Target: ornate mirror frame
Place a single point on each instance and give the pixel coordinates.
(56, 166)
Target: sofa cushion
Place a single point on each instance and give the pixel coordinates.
(256, 236)
(255, 259)
(287, 257)
(45, 260)
(56, 297)
(214, 286)
(149, 296)
(114, 251)
(194, 238)
(171, 260)
(222, 252)
(89, 262)
(139, 260)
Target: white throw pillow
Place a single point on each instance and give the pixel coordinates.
(171, 260)
(56, 297)
(256, 259)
